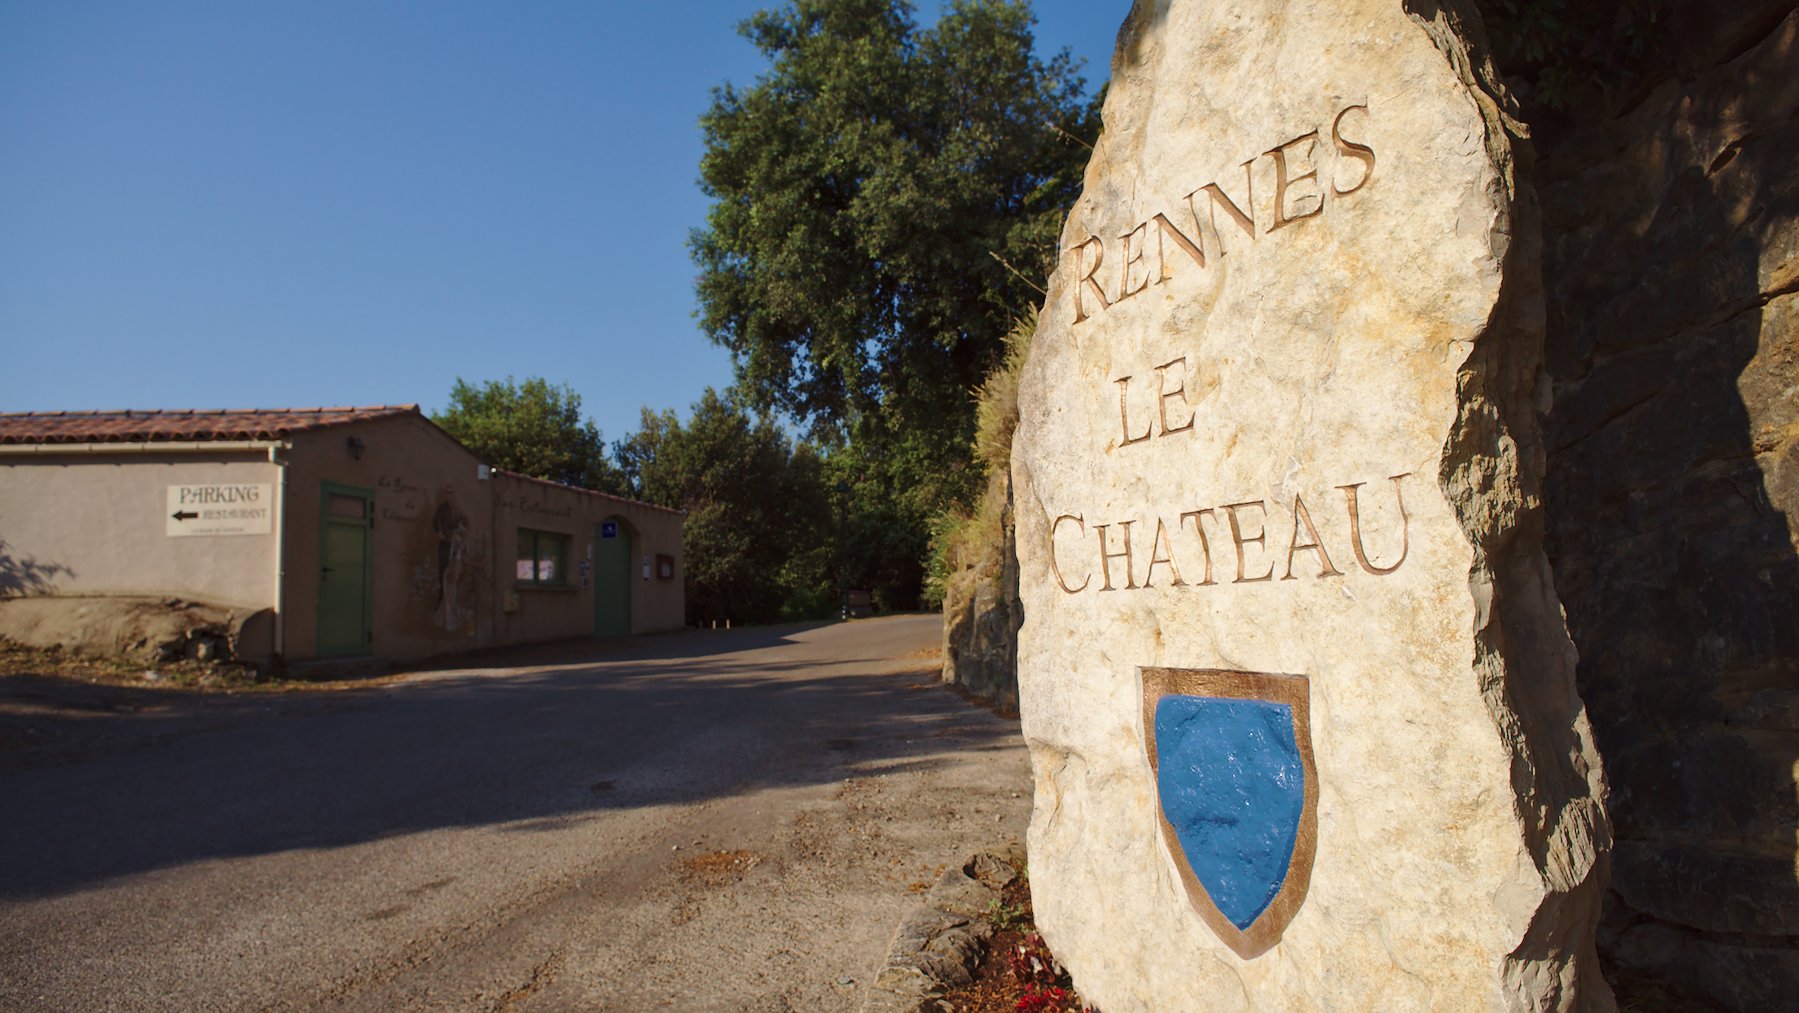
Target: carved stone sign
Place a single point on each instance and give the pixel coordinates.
(1294, 677)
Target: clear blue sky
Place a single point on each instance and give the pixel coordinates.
(271, 204)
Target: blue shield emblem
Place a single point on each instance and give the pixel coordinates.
(1237, 789)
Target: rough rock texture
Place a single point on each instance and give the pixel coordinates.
(981, 614)
(153, 629)
(1673, 500)
(940, 943)
(1314, 454)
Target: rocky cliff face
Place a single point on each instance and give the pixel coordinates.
(1671, 259)
(981, 613)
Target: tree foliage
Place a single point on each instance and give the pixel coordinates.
(759, 523)
(534, 428)
(1561, 55)
(975, 538)
(886, 199)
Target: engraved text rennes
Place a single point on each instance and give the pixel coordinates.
(1307, 169)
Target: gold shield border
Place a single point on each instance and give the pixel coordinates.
(1295, 692)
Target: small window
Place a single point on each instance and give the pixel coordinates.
(542, 557)
(348, 506)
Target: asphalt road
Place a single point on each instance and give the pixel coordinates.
(705, 821)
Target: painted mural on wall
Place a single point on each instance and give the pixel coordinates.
(453, 535)
(527, 505)
(399, 498)
(446, 559)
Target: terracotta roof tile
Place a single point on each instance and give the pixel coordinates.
(181, 425)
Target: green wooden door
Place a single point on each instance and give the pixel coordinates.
(345, 608)
(611, 579)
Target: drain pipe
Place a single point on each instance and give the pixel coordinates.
(280, 464)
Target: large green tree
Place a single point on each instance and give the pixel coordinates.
(534, 428)
(759, 528)
(886, 200)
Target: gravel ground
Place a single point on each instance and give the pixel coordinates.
(707, 821)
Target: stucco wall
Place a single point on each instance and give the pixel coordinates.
(432, 557)
(96, 524)
(536, 613)
(442, 549)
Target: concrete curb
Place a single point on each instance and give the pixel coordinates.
(938, 945)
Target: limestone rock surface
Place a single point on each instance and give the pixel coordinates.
(1278, 451)
(939, 945)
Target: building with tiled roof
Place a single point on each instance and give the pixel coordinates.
(178, 426)
(329, 532)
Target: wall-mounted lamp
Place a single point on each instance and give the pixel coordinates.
(356, 447)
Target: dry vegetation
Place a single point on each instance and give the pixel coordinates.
(1018, 974)
(975, 539)
(122, 670)
(719, 868)
(186, 674)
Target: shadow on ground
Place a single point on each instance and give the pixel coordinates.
(108, 782)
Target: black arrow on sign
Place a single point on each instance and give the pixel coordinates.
(182, 515)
